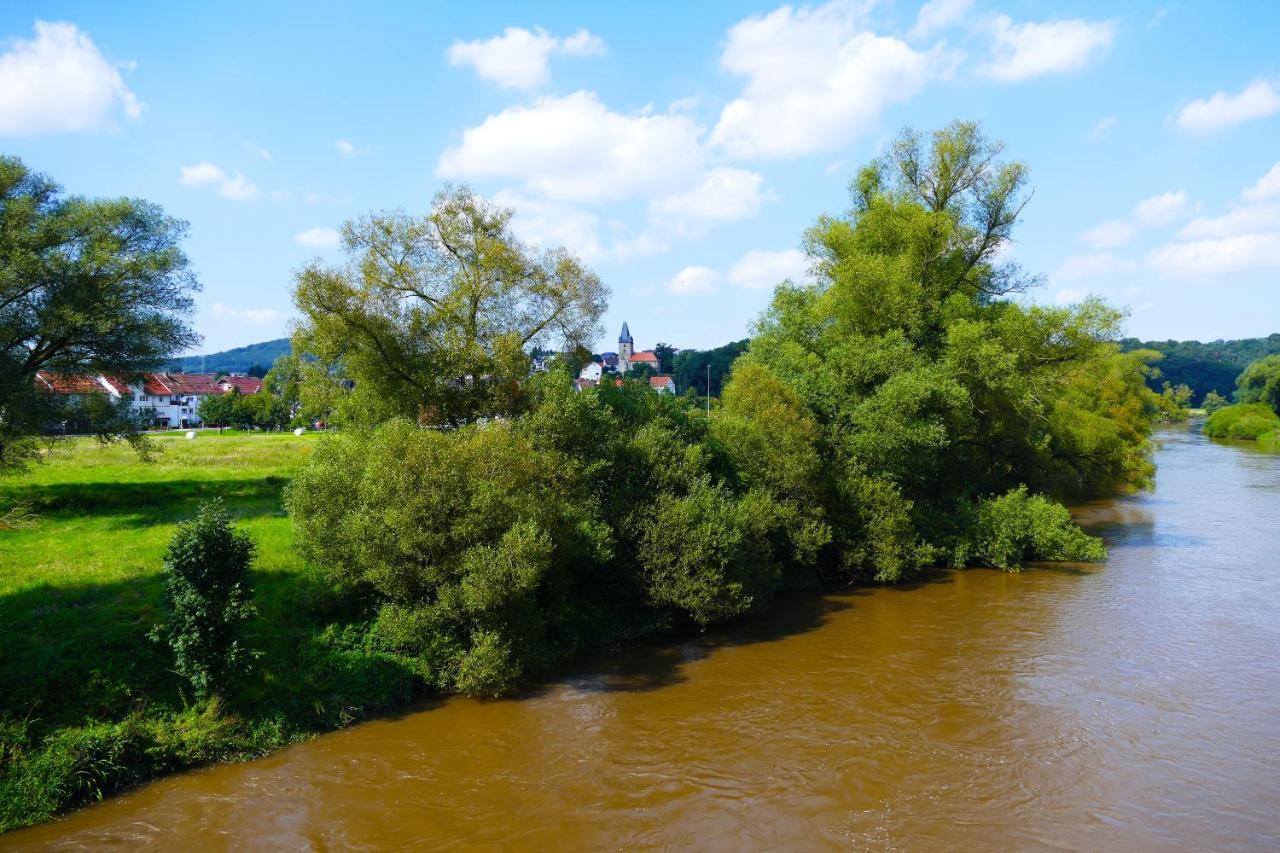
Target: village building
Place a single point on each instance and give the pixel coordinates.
(158, 399)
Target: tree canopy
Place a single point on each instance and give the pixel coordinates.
(432, 317)
(900, 412)
(87, 286)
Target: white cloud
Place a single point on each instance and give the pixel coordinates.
(1245, 220)
(1102, 129)
(1023, 51)
(318, 238)
(517, 59)
(1257, 100)
(548, 225)
(1154, 212)
(814, 80)
(937, 15)
(694, 280)
(60, 82)
(759, 270)
(1267, 187)
(574, 148)
(1109, 235)
(252, 316)
(258, 151)
(724, 194)
(1069, 296)
(233, 185)
(347, 148)
(1163, 209)
(1102, 265)
(1217, 256)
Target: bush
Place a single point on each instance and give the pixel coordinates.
(207, 592)
(1007, 531)
(1249, 421)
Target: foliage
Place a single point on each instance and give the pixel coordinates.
(1006, 531)
(1260, 383)
(1204, 367)
(1251, 421)
(690, 367)
(86, 287)
(1214, 401)
(666, 356)
(1173, 403)
(431, 317)
(206, 575)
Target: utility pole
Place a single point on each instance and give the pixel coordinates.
(708, 391)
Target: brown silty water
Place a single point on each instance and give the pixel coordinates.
(1131, 706)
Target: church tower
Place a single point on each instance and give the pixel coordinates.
(625, 349)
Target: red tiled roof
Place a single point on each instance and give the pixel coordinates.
(243, 384)
(179, 383)
(660, 382)
(60, 383)
(645, 356)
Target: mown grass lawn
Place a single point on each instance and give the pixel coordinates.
(87, 702)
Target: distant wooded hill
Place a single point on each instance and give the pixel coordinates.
(1206, 367)
(238, 360)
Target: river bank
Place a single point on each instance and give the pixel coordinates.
(1127, 706)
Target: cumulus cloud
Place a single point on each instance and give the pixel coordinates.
(1070, 296)
(548, 225)
(1217, 256)
(814, 79)
(60, 82)
(1162, 209)
(518, 59)
(252, 316)
(232, 185)
(574, 148)
(1109, 235)
(1023, 51)
(692, 280)
(1154, 212)
(1240, 240)
(1257, 100)
(318, 238)
(759, 270)
(1267, 187)
(1101, 265)
(724, 194)
(937, 15)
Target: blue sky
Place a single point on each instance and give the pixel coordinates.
(680, 149)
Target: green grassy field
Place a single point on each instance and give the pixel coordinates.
(88, 703)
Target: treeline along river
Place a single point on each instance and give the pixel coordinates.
(1134, 705)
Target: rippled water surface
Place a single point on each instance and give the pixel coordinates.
(1131, 706)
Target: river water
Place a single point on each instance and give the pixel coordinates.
(1131, 706)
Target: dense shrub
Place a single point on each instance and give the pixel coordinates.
(1247, 420)
(1005, 532)
(206, 576)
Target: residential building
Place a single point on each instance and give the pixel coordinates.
(663, 384)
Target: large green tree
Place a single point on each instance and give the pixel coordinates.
(87, 286)
(932, 388)
(432, 317)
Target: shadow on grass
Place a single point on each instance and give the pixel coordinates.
(145, 504)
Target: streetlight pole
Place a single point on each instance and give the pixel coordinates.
(708, 391)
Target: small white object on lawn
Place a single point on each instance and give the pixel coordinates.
(191, 434)
(299, 431)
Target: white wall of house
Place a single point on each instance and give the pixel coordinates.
(592, 371)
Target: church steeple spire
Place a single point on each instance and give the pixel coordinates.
(625, 337)
(626, 347)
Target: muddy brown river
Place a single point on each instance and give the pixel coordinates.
(1131, 706)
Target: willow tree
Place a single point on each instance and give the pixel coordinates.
(87, 286)
(432, 318)
(935, 391)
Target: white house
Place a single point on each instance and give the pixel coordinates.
(663, 384)
(592, 371)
